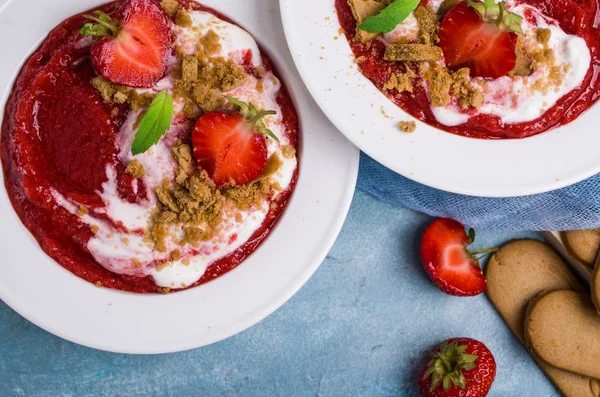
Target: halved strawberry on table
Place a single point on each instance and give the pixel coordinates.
(481, 36)
(445, 257)
(232, 147)
(134, 46)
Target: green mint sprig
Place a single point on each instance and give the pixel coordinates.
(389, 17)
(154, 124)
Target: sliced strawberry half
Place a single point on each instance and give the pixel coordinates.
(481, 36)
(450, 266)
(232, 147)
(134, 48)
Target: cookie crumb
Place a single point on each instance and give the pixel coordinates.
(183, 19)
(428, 25)
(164, 290)
(543, 35)
(440, 82)
(467, 95)
(136, 262)
(412, 52)
(94, 229)
(82, 211)
(401, 81)
(170, 6)
(175, 255)
(407, 126)
(135, 169)
(288, 151)
(98, 284)
(361, 10)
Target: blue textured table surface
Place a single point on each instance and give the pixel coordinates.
(362, 326)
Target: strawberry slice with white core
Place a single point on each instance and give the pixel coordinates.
(450, 266)
(134, 47)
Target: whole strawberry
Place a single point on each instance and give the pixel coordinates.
(445, 257)
(459, 367)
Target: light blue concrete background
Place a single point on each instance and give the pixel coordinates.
(360, 327)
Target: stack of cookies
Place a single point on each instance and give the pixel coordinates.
(549, 309)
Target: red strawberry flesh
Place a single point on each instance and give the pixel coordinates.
(227, 149)
(447, 261)
(138, 55)
(469, 41)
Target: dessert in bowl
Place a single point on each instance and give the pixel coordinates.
(149, 147)
(496, 70)
(548, 103)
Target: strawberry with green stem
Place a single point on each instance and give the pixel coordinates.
(481, 36)
(449, 264)
(132, 48)
(232, 147)
(458, 368)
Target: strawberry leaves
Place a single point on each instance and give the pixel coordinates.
(154, 124)
(496, 13)
(105, 26)
(254, 116)
(389, 17)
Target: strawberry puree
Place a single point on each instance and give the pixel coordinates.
(583, 20)
(59, 136)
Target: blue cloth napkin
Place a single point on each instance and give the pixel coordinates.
(572, 208)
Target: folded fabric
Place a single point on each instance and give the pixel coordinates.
(574, 207)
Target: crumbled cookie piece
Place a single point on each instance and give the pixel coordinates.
(162, 266)
(182, 153)
(440, 81)
(361, 10)
(412, 52)
(135, 169)
(94, 229)
(288, 151)
(193, 236)
(245, 196)
(183, 19)
(523, 64)
(428, 25)
(543, 35)
(82, 211)
(105, 88)
(175, 255)
(401, 81)
(210, 44)
(407, 126)
(136, 263)
(113, 93)
(467, 95)
(274, 163)
(189, 68)
(164, 290)
(170, 6)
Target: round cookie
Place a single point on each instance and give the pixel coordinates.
(563, 329)
(516, 274)
(584, 244)
(520, 271)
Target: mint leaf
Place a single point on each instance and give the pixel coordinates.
(154, 124)
(389, 17)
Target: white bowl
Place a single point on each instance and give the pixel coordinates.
(542, 163)
(54, 299)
